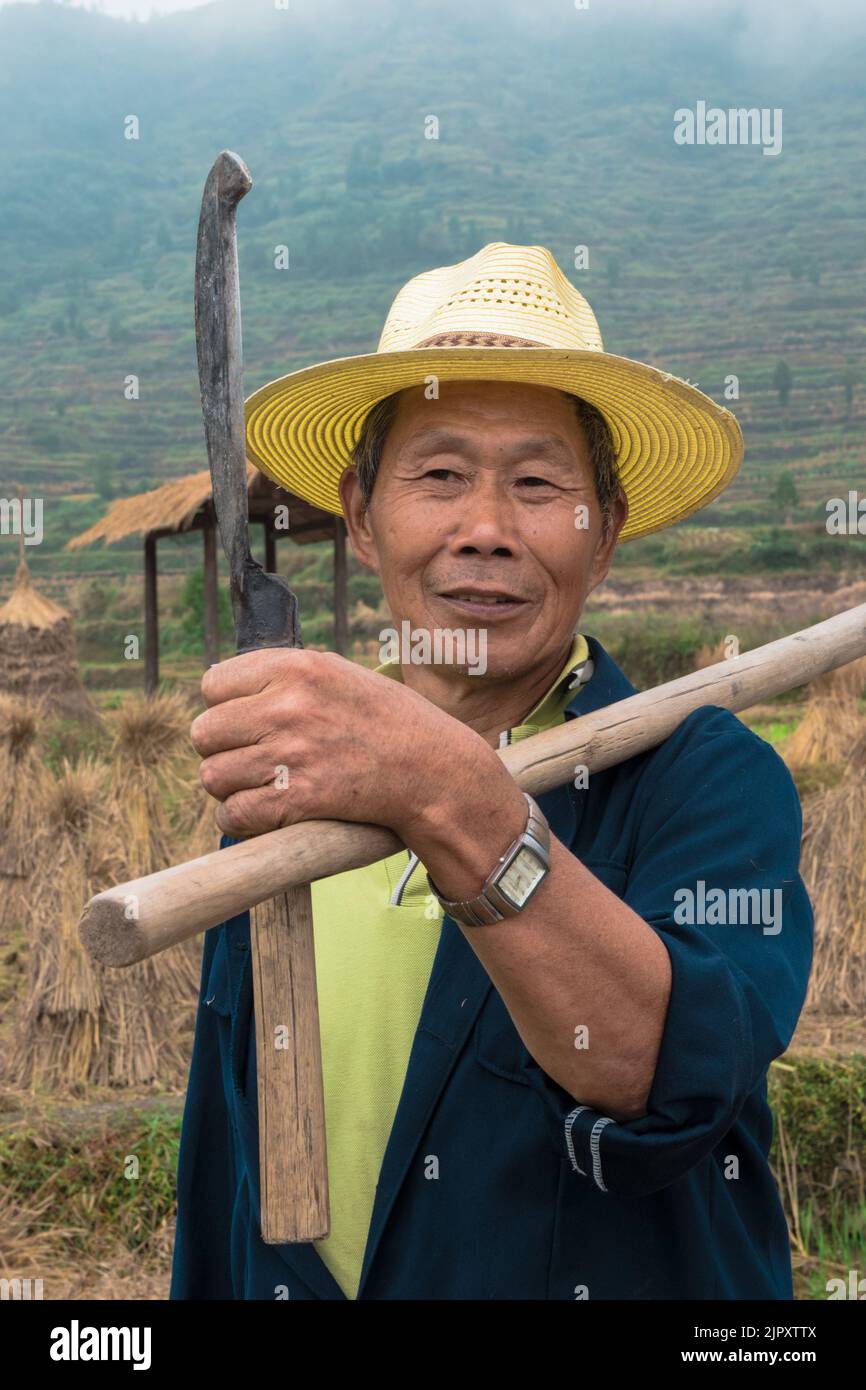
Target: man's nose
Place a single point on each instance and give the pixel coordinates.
(487, 523)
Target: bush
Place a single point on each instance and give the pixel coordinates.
(653, 651)
(190, 629)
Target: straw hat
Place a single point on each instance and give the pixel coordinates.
(507, 314)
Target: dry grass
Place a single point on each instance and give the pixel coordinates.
(24, 782)
(60, 1032)
(832, 722)
(154, 780)
(80, 1024)
(37, 651)
(827, 732)
(27, 1252)
(832, 735)
(833, 865)
(27, 608)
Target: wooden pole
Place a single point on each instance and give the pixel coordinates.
(341, 622)
(211, 596)
(175, 903)
(151, 618)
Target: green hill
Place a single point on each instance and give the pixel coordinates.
(555, 126)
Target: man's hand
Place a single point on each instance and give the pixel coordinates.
(351, 744)
(293, 735)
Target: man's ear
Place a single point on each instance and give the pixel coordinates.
(358, 521)
(607, 544)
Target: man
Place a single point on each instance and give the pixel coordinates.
(544, 1056)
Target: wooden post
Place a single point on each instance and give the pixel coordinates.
(211, 596)
(151, 618)
(270, 548)
(341, 623)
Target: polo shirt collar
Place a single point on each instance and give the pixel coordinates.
(550, 709)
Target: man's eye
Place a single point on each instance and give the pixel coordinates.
(536, 482)
(439, 473)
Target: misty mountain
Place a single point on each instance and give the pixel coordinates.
(555, 126)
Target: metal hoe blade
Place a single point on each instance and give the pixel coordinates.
(265, 609)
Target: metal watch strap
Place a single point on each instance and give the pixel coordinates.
(491, 905)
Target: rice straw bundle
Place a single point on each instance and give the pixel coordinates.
(205, 834)
(833, 721)
(833, 866)
(154, 780)
(82, 1024)
(61, 1029)
(37, 650)
(23, 782)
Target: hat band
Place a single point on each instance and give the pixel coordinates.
(466, 338)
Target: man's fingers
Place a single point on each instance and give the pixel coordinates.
(251, 672)
(238, 723)
(254, 812)
(223, 774)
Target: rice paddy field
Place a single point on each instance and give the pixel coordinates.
(94, 1061)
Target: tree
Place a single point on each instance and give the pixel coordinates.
(785, 495)
(782, 381)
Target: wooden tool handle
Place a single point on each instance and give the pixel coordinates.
(292, 1152)
(293, 1167)
(126, 924)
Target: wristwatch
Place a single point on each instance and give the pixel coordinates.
(517, 875)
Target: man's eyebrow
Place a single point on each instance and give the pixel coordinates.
(437, 441)
(442, 441)
(544, 446)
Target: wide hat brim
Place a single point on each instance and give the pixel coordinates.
(676, 448)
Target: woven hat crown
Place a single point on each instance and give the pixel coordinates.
(503, 296)
(676, 449)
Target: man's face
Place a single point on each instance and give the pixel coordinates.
(472, 519)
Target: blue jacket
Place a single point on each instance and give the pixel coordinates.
(539, 1197)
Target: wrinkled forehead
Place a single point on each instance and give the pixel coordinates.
(456, 412)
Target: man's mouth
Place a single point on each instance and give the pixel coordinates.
(483, 603)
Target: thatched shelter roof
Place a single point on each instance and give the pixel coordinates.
(182, 504)
(37, 650)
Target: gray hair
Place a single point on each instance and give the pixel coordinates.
(367, 452)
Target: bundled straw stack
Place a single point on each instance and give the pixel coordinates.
(155, 785)
(832, 722)
(61, 1037)
(37, 651)
(24, 783)
(833, 861)
(833, 866)
(83, 1024)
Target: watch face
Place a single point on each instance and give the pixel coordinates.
(523, 874)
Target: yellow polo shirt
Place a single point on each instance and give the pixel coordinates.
(375, 942)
